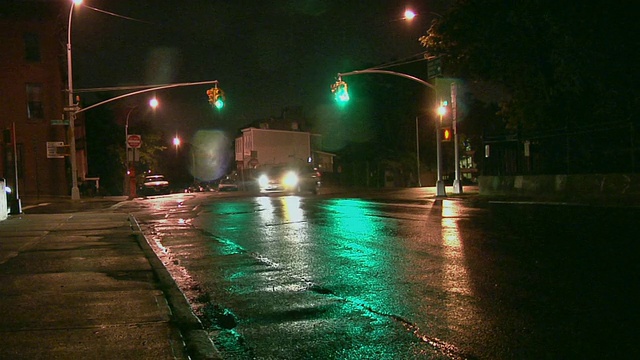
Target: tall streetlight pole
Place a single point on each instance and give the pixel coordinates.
(130, 155)
(457, 183)
(130, 178)
(418, 153)
(75, 192)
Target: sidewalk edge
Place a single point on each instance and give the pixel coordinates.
(198, 344)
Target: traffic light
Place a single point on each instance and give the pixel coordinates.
(340, 91)
(446, 133)
(216, 97)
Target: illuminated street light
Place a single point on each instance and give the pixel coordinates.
(409, 14)
(176, 142)
(130, 155)
(442, 110)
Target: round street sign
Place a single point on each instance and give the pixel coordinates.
(134, 141)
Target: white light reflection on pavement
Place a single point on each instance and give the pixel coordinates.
(456, 277)
(463, 314)
(286, 234)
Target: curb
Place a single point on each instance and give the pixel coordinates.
(196, 340)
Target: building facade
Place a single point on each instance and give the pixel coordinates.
(32, 69)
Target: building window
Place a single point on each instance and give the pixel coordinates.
(31, 47)
(35, 108)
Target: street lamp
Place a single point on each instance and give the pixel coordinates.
(130, 158)
(176, 143)
(409, 14)
(153, 103)
(75, 192)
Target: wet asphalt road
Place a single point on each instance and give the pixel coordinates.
(401, 277)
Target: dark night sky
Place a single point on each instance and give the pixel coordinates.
(266, 55)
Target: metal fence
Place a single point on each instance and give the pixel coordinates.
(594, 149)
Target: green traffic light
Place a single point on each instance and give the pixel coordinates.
(219, 104)
(342, 94)
(340, 91)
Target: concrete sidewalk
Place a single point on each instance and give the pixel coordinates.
(86, 285)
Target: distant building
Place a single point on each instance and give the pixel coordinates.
(263, 147)
(32, 69)
(283, 140)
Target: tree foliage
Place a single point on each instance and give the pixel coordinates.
(106, 147)
(562, 63)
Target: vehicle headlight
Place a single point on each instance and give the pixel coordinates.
(290, 179)
(263, 180)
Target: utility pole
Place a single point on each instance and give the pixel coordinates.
(457, 184)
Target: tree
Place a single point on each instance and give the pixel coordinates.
(563, 63)
(102, 152)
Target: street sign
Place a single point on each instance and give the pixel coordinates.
(60, 122)
(134, 141)
(54, 150)
(71, 108)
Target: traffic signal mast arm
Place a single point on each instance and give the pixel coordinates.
(154, 88)
(388, 72)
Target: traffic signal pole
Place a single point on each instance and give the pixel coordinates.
(440, 187)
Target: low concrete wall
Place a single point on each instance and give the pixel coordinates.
(4, 211)
(566, 187)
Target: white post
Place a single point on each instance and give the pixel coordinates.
(440, 187)
(17, 205)
(457, 184)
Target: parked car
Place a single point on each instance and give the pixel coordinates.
(227, 184)
(193, 188)
(154, 185)
(289, 179)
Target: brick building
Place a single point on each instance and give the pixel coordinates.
(32, 69)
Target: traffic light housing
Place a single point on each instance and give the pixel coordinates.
(446, 134)
(340, 91)
(216, 97)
